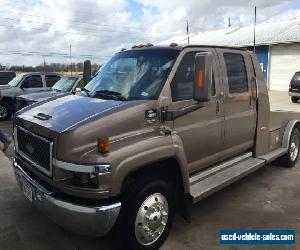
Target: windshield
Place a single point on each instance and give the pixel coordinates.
(14, 82)
(65, 84)
(135, 74)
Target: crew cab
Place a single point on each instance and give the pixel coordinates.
(66, 85)
(23, 84)
(156, 130)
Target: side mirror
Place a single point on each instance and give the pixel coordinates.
(203, 76)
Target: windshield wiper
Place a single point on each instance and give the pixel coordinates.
(110, 94)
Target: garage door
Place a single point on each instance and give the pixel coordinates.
(285, 61)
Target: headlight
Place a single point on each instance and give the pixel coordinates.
(85, 176)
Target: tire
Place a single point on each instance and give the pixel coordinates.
(5, 111)
(295, 99)
(289, 159)
(146, 215)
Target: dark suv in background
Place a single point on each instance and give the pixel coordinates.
(65, 86)
(294, 90)
(23, 84)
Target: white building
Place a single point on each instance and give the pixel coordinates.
(278, 47)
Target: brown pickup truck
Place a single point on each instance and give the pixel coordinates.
(156, 130)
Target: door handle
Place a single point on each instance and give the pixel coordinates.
(217, 107)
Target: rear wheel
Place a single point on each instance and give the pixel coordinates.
(290, 158)
(5, 111)
(295, 99)
(147, 214)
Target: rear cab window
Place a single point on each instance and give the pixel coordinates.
(296, 77)
(51, 80)
(236, 73)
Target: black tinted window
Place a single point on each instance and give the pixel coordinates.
(236, 72)
(51, 80)
(183, 84)
(296, 76)
(33, 82)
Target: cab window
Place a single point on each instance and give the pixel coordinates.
(236, 73)
(182, 85)
(51, 80)
(33, 82)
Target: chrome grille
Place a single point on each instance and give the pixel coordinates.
(35, 149)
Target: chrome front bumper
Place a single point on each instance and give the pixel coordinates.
(88, 220)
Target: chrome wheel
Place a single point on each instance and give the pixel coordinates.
(3, 112)
(294, 147)
(151, 219)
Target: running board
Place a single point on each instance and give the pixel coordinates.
(216, 178)
(273, 155)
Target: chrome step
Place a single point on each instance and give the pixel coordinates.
(216, 178)
(218, 168)
(273, 154)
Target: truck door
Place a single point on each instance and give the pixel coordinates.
(240, 106)
(201, 129)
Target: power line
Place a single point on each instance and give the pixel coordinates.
(85, 29)
(80, 21)
(72, 32)
(49, 54)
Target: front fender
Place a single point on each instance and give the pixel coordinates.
(146, 152)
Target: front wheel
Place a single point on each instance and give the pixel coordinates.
(290, 158)
(147, 214)
(295, 99)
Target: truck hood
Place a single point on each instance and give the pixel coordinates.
(66, 112)
(42, 96)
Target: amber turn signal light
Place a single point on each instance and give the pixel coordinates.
(103, 145)
(200, 80)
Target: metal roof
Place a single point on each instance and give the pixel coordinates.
(275, 32)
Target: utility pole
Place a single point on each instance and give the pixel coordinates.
(187, 31)
(44, 65)
(71, 58)
(254, 34)
(229, 22)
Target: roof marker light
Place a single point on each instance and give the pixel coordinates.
(173, 44)
(149, 45)
(138, 46)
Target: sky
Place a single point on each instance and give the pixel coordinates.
(32, 31)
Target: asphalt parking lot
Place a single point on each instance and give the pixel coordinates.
(267, 199)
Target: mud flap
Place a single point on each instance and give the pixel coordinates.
(185, 207)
